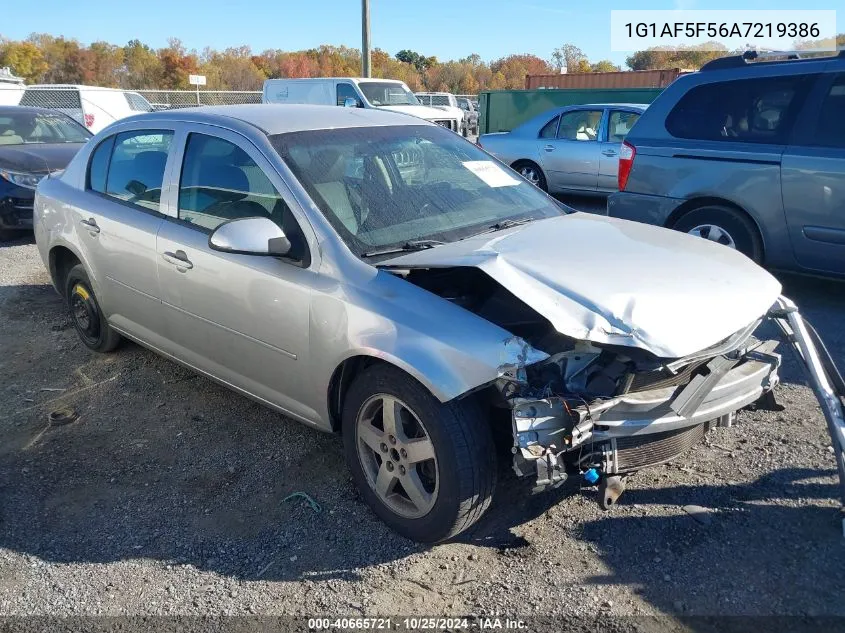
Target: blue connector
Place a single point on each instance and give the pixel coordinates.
(591, 476)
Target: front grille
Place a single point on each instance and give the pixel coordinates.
(444, 122)
(661, 378)
(639, 451)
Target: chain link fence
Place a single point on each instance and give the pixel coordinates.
(171, 99)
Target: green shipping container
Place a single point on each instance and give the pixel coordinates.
(503, 110)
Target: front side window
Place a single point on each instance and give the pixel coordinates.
(581, 125)
(381, 187)
(220, 182)
(830, 129)
(136, 168)
(24, 127)
(137, 103)
(383, 93)
(347, 91)
(746, 110)
(619, 124)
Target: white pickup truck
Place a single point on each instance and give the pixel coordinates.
(387, 94)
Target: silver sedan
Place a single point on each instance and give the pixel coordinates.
(568, 150)
(376, 275)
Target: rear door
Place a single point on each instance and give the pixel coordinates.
(619, 123)
(813, 181)
(117, 226)
(571, 159)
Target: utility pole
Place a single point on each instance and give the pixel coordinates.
(365, 38)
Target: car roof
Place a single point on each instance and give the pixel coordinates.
(358, 79)
(273, 118)
(76, 87)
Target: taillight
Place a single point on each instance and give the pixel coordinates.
(89, 120)
(626, 162)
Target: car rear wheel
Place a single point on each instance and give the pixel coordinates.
(726, 226)
(532, 173)
(85, 312)
(426, 468)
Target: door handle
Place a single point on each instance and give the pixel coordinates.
(178, 259)
(609, 152)
(90, 225)
(549, 148)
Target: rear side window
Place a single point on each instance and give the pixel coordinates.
(550, 129)
(136, 169)
(747, 110)
(830, 130)
(98, 167)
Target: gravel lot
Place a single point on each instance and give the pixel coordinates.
(166, 496)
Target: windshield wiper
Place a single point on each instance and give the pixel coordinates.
(501, 225)
(412, 245)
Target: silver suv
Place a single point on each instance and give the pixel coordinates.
(747, 154)
(368, 273)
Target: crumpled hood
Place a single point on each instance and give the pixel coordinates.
(420, 111)
(617, 282)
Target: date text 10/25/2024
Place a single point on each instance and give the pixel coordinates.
(416, 624)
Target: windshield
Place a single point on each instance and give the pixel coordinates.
(385, 93)
(23, 127)
(387, 186)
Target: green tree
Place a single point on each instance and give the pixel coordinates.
(25, 59)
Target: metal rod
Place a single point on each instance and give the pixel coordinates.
(365, 39)
(825, 393)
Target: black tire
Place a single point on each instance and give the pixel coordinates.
(736, 224)
(91, 326)
(463, 447)
(525, 167)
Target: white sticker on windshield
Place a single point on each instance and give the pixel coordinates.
(491, 173)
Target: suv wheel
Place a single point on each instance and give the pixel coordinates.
(726, 226)
(426, 468)
(86, 314)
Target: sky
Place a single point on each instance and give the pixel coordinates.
(448, 29)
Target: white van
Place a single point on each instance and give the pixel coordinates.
(11, 87)
(92, 106)
(388, 94)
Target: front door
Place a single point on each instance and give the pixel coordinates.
(241, 318)
(571, 159)
(813, 182)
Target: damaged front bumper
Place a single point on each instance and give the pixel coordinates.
(564, 434)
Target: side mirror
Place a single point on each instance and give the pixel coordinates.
(250, 236)
(349, 102)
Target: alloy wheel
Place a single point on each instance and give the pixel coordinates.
(397, 456)
(714, 234)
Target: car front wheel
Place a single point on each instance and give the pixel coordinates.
(426, 468)
(532, 173)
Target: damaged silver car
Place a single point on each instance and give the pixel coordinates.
(372, 274)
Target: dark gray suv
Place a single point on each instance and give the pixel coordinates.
(749, 154)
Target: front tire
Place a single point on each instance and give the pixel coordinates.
(88, 319)
(726, 226)
(426, 468)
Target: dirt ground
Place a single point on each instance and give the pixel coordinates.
(167, 496)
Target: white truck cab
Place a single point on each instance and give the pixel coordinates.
(447, 102)
(387, 94)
